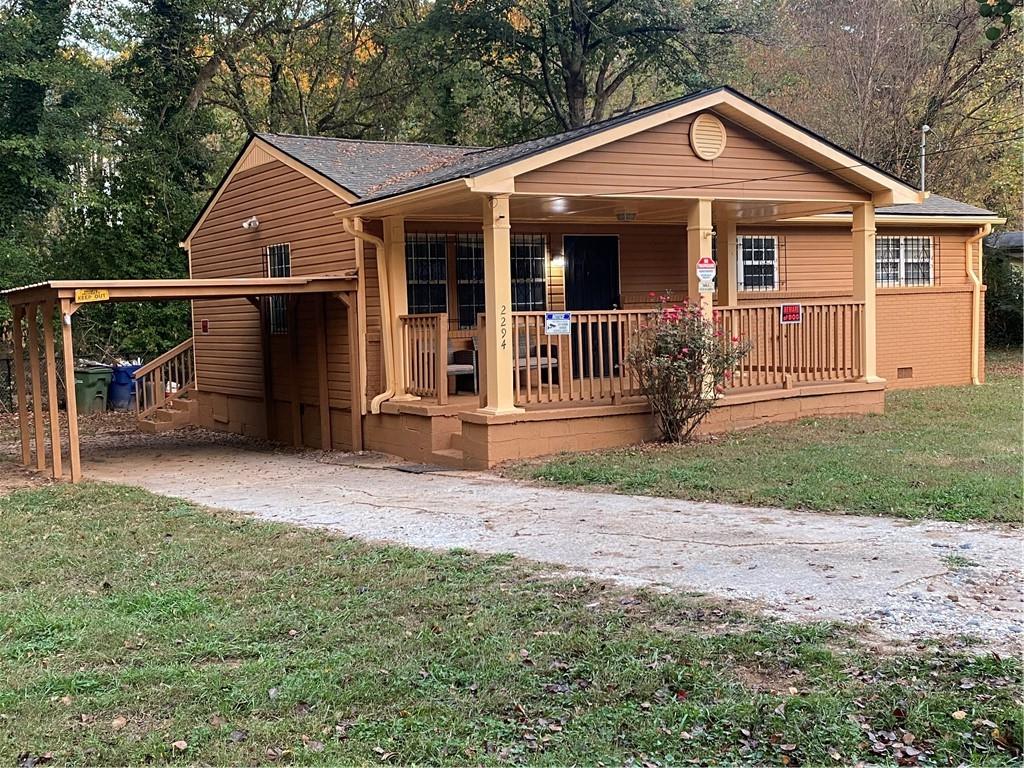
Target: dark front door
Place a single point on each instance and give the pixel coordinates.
(592, 283)
(591, 272)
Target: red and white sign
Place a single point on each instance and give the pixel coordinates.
(791, 314)
(706, 271)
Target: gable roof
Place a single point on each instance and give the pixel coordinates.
(398, 171)
(364, 166)
(370, 171)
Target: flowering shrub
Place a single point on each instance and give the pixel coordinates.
(681, 360)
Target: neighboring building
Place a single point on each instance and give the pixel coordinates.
(1009, 243)
(589, 222)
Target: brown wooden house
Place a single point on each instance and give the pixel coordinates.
(445, 352)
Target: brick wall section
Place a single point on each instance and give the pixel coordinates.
(928, 331)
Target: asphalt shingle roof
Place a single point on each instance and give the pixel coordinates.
(373, 170)
(935, 205)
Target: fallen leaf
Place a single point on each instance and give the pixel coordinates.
(312, 744)
(66, 700)
(237, 737)
(908, 738)
(273, 693)
(179, 746)
(959, 715)
(118, 723)
(216, 721)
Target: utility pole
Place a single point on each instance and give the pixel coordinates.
(924, 144)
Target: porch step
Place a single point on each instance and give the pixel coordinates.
(179, 412)
(448, 457)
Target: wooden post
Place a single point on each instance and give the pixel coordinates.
(698, 246)
(293, 360)
(262, 307)
(74, 456)
(441, 359)
(864, 284)
(394, 246)
(324, 394)
(355, 365)
(497, 333)
(51, 391)
(37, 386)
(727, 267)
(19, 378)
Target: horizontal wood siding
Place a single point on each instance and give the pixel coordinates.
(660, 160)
(291, 209)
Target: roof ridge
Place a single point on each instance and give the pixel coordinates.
(372, 141)
(624, 116)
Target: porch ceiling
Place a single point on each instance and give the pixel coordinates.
(466, 205)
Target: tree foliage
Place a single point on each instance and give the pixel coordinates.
(117, 119)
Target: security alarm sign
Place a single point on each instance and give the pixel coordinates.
(558, 323)
(791, 314)
(706, 269)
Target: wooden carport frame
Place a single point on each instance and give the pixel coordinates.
(69, 295)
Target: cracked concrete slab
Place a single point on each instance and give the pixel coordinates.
(904, 580)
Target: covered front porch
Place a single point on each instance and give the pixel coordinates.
(472, 302)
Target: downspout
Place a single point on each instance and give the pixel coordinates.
(976, 299)
(348, 223)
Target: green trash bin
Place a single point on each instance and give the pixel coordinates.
(91, 386)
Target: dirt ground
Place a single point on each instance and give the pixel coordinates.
(902, 581)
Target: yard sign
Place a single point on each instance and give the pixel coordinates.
(706, 271)
(557, 323)
(791, 314)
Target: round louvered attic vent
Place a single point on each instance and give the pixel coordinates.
(707, 136)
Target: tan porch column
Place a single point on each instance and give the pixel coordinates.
(727, 268)
(698, 246)
(864, 284)
(498, 340)
(394, 246)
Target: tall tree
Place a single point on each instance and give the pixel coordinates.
(583, 59)
(869, 76)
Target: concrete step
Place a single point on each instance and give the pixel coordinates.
(152, 426)
(448, 457)
(456, 441)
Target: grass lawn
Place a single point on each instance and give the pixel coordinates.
(950, 453)
(136, 629)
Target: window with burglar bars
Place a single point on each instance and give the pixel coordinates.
(426, 273)
(279, 264)
(901, 261)
(758, 257)
(469, 277)
(529, 273)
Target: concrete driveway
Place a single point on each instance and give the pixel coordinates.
(906, 581)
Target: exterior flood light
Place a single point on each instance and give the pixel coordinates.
(252, 223)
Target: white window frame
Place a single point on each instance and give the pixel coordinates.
(278, 305)
(741, 264)
(902, 269)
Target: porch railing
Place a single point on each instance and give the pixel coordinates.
(165, 378)
(586, 365)
(826, 345)
(424, 341)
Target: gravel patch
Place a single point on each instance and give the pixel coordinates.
(902, 581)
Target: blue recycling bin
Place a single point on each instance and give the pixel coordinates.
(122, 387)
